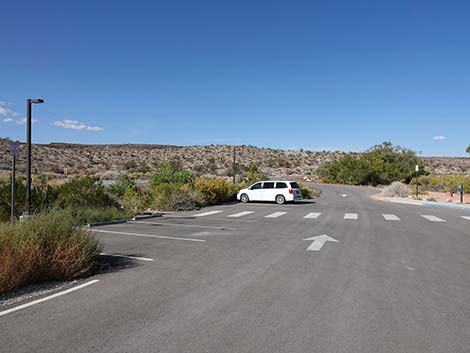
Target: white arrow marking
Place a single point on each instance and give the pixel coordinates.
(318, 242)
(344, 195)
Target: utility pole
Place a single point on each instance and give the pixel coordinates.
(29, 103)
(417, 184)
(234, 164)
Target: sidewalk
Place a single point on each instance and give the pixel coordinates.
(420, 203)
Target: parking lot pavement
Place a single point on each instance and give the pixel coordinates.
(269, 278)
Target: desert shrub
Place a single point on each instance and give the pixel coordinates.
(308, 192)
(380, 165)
(397, 189)
(83, 192)
(87, 215)
(171, 174)
(121, 185)
(443, 183)
(253, 174)
(135, 199)
(175, 197)
(216, 191)
(47, 247)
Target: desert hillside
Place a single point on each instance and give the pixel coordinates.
(107, 161)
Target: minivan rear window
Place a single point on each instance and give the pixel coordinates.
(294, 185)
(281, 186)
(268, 185)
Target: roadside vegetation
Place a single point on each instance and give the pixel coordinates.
(48, 247)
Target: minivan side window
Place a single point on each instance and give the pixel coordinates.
(281, 186)
(268, 186)
(294, 185)
(256, 186)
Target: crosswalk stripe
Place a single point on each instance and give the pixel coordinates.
(241, 214)
(275, 214)
(432, 218)
(350, 216)
(313, 215)
(390, 217)
(466, 217)
(207, 213)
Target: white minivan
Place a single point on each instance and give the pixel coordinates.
(279, 191)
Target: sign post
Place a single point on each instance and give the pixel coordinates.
(460, 190)
(417, 175)
(14, 151)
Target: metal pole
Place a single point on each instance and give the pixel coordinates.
(234, 164)
(28, 157)
(417, 183)
(13, 179)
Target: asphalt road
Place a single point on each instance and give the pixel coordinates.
(249, 284)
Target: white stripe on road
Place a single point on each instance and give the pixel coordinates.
(466, 217)
(145, 235)
(390, 217)
(207, 213)
(275, 214)
(350, 216)
(34, 302)
(313, 215)
(241, 214)
(432, 218)
(127, 257)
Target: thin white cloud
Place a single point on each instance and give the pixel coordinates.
(439, 138)
(21, 121)
(6, 112)
(76, 125)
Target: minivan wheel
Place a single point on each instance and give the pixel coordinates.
(244, 198)
(280, 199)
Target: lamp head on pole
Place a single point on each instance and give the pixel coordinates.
(36, 101)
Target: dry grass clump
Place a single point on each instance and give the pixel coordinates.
(47, 247)
(396, 189)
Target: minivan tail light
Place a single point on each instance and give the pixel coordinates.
(291, 191)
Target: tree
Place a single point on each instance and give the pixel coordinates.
(468, 149)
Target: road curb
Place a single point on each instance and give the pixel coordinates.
(118, 221)
(156, 215)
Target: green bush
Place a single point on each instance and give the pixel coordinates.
(171, 174)
(216, 191)
(87, 215)
(175, 197)
(47, 247)
(309, 193)
(122, 184)
(135, 199)
(442, 183)
(380, 165)
(83, 192)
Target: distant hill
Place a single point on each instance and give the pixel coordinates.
(107, 161)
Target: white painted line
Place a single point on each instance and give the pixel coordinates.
(313, 215)
(344, 195)
(146, 235)
(179, 225)
(390, 217)
(350, 216)
(34, 302)
(466, 217)
(207, 213)
(433, 218)
(127, 257)
(241, 214)
(275, 214)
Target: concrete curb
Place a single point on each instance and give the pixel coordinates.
(138, 218)
(118, 221)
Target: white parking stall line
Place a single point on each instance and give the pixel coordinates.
(241, 214)
(433, 218)
(34, 302)
(466, 217)
(275, 215)
(390, 217)
(350, 216)
(146, 235)
(207, 213)
(312, 215)
(127, 256)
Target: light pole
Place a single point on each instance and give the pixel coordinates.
(29, 103)
(234, 162)
(417, 184)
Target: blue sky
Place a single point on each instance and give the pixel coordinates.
(283, 74)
